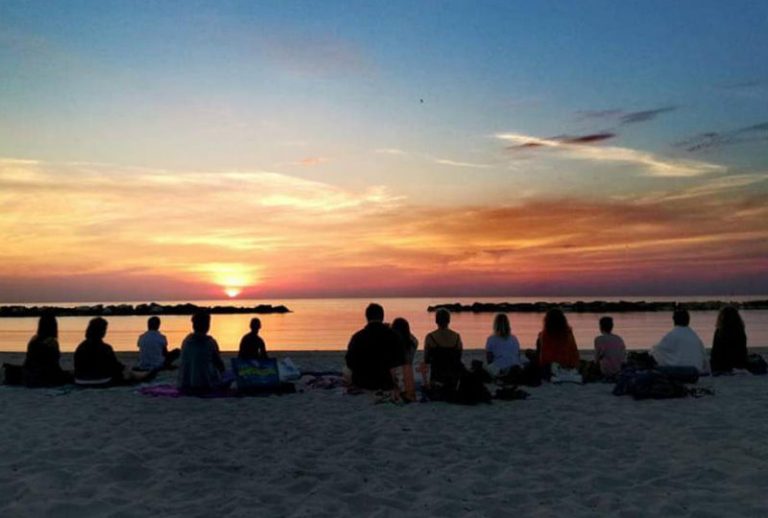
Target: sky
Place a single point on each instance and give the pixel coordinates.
(183, 150)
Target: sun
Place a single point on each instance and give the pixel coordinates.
(232, 292)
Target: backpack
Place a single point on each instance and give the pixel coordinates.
(648, 384)
(656, 385)
(470, 390)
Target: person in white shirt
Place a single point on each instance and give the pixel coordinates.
(681, 347)
(502, 349)
(153, 348)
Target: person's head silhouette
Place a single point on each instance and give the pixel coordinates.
(374, 313)
(201, 322)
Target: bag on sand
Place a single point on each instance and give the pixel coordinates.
(256, 375)
(648, 384)
(13, 374)
(470, 390)
(287, 370)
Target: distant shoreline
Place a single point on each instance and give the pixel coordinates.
(152, 308)
(598, 306)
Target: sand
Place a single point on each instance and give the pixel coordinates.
(566, 451)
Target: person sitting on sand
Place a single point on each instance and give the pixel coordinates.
(95, 361)
(153, 349)
(502, 349)
(442, 353)
(610, 351)
(409, 344)
(201, 366)
(374, 353)
(681, 347)
(556, 343)
(252, 346)
(41, 365)
(729, 345)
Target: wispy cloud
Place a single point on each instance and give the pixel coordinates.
(652, 164)
(257, 229)
(390, 151)
(713, 139)
(454, 163)
(625, 117)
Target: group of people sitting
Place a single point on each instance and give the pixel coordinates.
(381, 356)
(96, 365)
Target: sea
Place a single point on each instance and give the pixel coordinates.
(327, 324)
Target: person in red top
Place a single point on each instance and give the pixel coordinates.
(556, 343)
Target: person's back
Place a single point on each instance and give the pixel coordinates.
(729, 351)
(152, 347)
(95, 361)
(201, 363)
(505, 351)
(729, 344)
(558, 348)
(371, 355)
(41, 364)
(442, 352)
(610, 351)
(252, 347)
(681, 347)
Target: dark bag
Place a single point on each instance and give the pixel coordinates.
(648, 384)
(680, 374)
(756, 365)
(470, 390)
(656, 385)
(13, 374)
(640, 360)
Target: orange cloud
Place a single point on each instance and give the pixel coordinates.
(92, 231)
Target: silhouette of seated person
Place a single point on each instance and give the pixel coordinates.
(96, 364)
(442, 354)
(374, 353)
(41, 365)
(556, 344)
(153, 349)
(252, 346)
(201, 366)
(729, 344)
(681, 347)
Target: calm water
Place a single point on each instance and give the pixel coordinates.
(327, 324)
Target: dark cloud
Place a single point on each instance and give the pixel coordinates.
(645, 115)
(589, 138)
(600, 114)
(711, 139)
(623, 116)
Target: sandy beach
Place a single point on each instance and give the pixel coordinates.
(566, 451)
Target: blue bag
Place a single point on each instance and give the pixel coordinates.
(256, 375)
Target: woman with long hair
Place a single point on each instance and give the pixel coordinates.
(502, 349)
(96, 364)
(556, 343)
(408, 344)
(729, 345)
(41, 365)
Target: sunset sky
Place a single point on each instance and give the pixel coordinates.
(172, 150)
